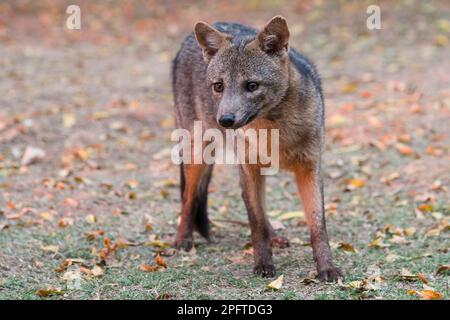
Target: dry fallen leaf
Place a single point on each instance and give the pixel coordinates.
(442, 269)
(426, 294)
(91, 235)
(408, 276)
(308, 280)
(405, 150)
(65, 222)
(160, 261)
(430, 295)
(378, 243)
(32, 155)
(356, 183)
(291, 215)
(68, 120)
(148, 268)
(425, 207)
(48, 292)
(276, 284)
(422, 278)
(90, 218)
(132, 183)
(50, 248)
(158, 244)
(347, 247)
(97, 271)
(391, 257)
(71, 277)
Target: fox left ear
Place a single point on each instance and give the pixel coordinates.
(209, 39)
(274, 38)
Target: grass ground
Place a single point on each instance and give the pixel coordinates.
(98, 102)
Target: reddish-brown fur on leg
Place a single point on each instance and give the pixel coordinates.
(192, 174)
(310, 189)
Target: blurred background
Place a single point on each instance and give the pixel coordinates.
(86, 117)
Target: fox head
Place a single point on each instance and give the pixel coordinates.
(247, 75)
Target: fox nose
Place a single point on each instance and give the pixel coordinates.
(227, 120)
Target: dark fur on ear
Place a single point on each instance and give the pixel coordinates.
(275, 36)
(209, 39)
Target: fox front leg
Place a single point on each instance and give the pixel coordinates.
(253, 193)
(311, 193)
(192, 175)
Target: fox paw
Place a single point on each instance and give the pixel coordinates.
(280, 242)
(265, 270)
(185, 244)
(331, 274)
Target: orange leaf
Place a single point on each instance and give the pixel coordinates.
(357, 183)
(404, 149)
(425, 207)
(147, 268)
(160, 261)
(430, 295)
(107, 242)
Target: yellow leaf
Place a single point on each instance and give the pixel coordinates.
(358, 284)
(346, 247)
(158, 244)
(349, 87)
(292, 215)
(50, 248)
(377, 243)
(443, 25)
(441, 40)
(43, 293)
(276, 284)
(91, 219)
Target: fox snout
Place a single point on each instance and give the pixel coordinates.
(227, 120)
(235, 120)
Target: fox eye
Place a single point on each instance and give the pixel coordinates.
(218, 87)
(252, 86)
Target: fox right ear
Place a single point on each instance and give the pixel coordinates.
(274, 38)
(209, 39)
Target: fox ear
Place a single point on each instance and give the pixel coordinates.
(275, 36)
(209, 39)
